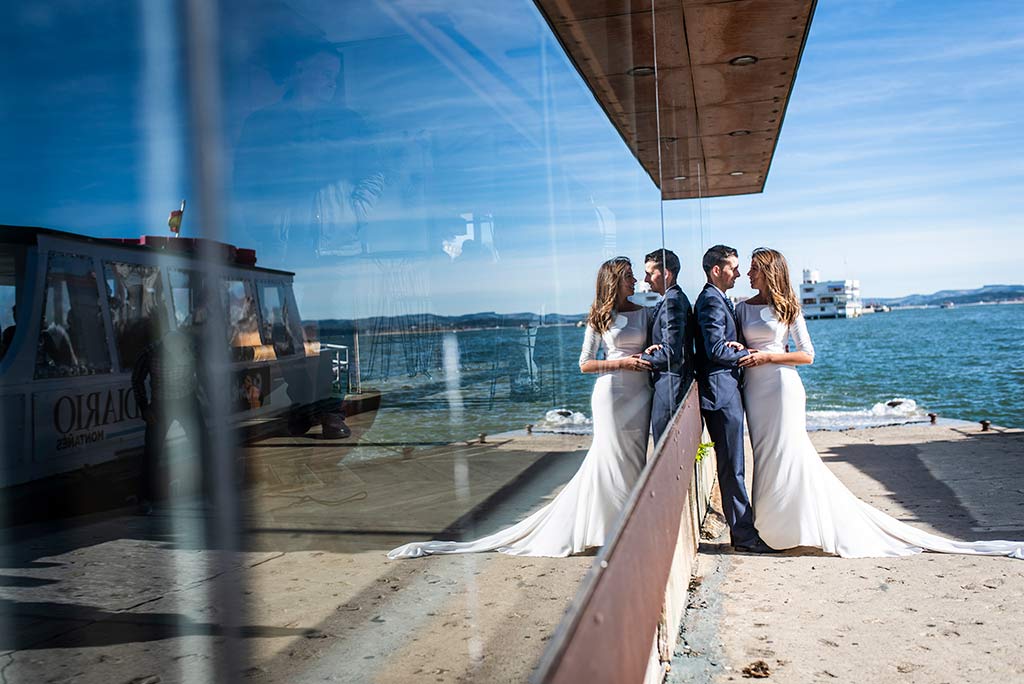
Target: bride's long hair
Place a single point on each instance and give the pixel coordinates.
(778, 291)
(602, 311)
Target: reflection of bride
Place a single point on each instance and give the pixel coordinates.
(797, 500)
(586, 510)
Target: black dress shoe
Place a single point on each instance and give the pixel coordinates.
(756, 546)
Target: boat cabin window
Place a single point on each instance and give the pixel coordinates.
(12, 267)
(138, 309)
(239, 302)
(280, 328)
(187, 298)
(72, 335)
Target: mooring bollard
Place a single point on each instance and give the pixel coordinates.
(985, 425)
(483, 437)
(932, 417)
(529, 428)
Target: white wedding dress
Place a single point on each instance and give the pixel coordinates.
(797, 500)
(586, 510)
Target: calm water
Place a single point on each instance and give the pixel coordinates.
(961, 363)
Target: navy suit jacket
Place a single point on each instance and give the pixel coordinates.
(718, 376)
(672, 327)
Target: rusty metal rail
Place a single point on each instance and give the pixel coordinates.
(610, 627)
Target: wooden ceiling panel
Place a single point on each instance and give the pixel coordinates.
(701, 97)
(636, 94)
(616, 44)
(726, 84)
(750, 164)
(748, 116)
(746, 27)
(621, 42)
(758, 143)
(575, 10)
(572, 10)
(674, 128)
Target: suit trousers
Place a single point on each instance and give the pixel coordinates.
(725, 426)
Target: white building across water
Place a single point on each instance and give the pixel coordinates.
(830, 298)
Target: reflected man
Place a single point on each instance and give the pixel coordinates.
(306, 174)
(671, 336)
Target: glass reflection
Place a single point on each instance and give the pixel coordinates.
(429, 192)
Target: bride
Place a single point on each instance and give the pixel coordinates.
(585, 511)
(797, 500)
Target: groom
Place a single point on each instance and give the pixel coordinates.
(721, 405)
(671, 339)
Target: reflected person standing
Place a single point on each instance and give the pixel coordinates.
(584, 513)
(306, 173)
(170, 366)
(671, 353)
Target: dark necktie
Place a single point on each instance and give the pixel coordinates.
(728, 303)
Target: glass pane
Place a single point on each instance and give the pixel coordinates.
(72, 338)
(189, 298)
(280, 328)
(243, 323)
(12, 265)
(138, 310)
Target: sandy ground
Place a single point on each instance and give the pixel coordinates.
(118, 598)
(927, 618)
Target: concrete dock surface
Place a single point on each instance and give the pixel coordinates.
(803, 616)
(118, 597)
(122, 598)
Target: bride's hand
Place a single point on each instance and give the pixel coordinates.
(755, 358)
(735, 345)
(635, 363)
(653, 348)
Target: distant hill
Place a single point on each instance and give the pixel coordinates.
(485, 319)
(988, 293)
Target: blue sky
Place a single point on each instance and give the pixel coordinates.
(900, 160)
(898, 164)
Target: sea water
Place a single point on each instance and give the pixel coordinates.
(879, 369)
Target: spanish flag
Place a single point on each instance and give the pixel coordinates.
(174, 220)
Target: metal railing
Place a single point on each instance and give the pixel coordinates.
(340, 364)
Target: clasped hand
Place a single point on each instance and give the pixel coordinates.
(752, 359)
(635, 363)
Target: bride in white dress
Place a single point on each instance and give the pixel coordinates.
(797, 500)
(588, 507)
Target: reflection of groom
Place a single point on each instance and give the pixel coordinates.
(721, 404)
(672, 351)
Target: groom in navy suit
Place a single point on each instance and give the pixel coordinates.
(671, 353)
(721, 404)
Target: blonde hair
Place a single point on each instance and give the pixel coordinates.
(602, 311)
(778, 291)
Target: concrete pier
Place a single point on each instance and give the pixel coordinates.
(122, 598)
(806, 617)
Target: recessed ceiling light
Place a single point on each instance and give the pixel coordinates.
(679, 178)
(641, 71)
(743, 60)
(738, 133)
(735, 173)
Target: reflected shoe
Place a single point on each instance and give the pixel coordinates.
(756, 546)
(333, 426)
